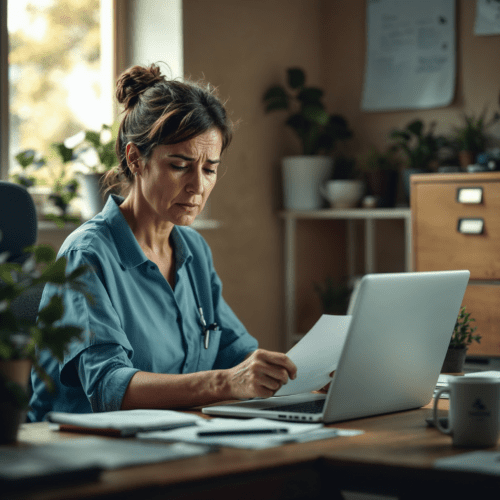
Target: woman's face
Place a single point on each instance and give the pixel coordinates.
(177, 179)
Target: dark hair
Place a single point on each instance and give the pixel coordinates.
(161, 111)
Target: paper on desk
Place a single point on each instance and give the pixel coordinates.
(297, 433)
(485, 462)
(58, 460)
(317, 354)
(128, 422)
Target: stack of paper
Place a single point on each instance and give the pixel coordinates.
(123, 423)
(255, 433)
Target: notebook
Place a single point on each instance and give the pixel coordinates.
(394, 349)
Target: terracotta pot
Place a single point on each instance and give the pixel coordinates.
(465, 158)
(11, 416)
(454, 360)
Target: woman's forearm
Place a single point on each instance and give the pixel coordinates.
(163, 390)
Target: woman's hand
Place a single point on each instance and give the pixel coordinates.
(260, 375)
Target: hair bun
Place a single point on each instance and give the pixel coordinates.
(134, 81)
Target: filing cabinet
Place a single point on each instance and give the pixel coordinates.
(456, 225)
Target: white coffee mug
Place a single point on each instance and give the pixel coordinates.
(474, 415)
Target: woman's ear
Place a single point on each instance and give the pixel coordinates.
(133, 158)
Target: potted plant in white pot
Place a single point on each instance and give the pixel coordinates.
(93, 154)
(318, 132)
(462, 337)
(22, 334)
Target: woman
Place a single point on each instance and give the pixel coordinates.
(158, 333)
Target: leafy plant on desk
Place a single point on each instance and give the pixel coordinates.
(21, 336)
(464, 333)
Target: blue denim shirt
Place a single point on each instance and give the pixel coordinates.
(136, 321)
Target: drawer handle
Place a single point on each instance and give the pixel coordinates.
(470, 196)
(470, 226)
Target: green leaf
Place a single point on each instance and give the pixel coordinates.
(93, 137)
(43, 253)
(276, 92)
(315, 113)
(26, 158)
(310, 95)
(296, 78)
(415, 127)
(53, 311)
(276, 104)
(59, 339)
(56, 272)
(66, 154)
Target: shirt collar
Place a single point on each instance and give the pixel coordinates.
(130, 251)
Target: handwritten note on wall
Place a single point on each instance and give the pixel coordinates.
(410, 56)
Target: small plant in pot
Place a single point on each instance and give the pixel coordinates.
(470, 138)
(381, 170)
(318, 131)
(92, 154)
(23, 332)
(420, 147)
(463, 336)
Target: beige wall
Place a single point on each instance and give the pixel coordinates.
(243, 46)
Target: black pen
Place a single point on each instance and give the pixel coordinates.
(241, 432)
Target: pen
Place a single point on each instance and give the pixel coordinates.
(241, 432)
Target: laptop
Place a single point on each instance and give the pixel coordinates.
(395, 346)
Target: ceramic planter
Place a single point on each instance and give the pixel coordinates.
(454, 360)
(302, 179)
(92, 194)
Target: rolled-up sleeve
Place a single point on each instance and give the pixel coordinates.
(101, 361)
(105, 372)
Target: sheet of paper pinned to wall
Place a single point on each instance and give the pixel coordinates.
(487, 18)
(410, 55)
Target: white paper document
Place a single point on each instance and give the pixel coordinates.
(317, 354)
(410, 54)
(292, 432)
(485, 462)
(487, 18)
(128, 422)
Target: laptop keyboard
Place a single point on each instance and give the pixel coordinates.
(306, 407)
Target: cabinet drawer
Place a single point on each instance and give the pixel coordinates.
(482, 301)
(438, 242)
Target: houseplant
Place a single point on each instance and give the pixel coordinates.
(420, 148)
(93, 154)
(469, 139)
(318, 132)
(462, 337)
(334, 297)
(381, 170)
(30, 162)
(21, 334)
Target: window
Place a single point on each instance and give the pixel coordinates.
(60, 74)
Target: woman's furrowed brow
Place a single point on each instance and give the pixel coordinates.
(190, 158)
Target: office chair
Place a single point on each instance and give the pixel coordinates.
(18, 230)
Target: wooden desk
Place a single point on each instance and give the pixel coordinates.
(394, 456)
